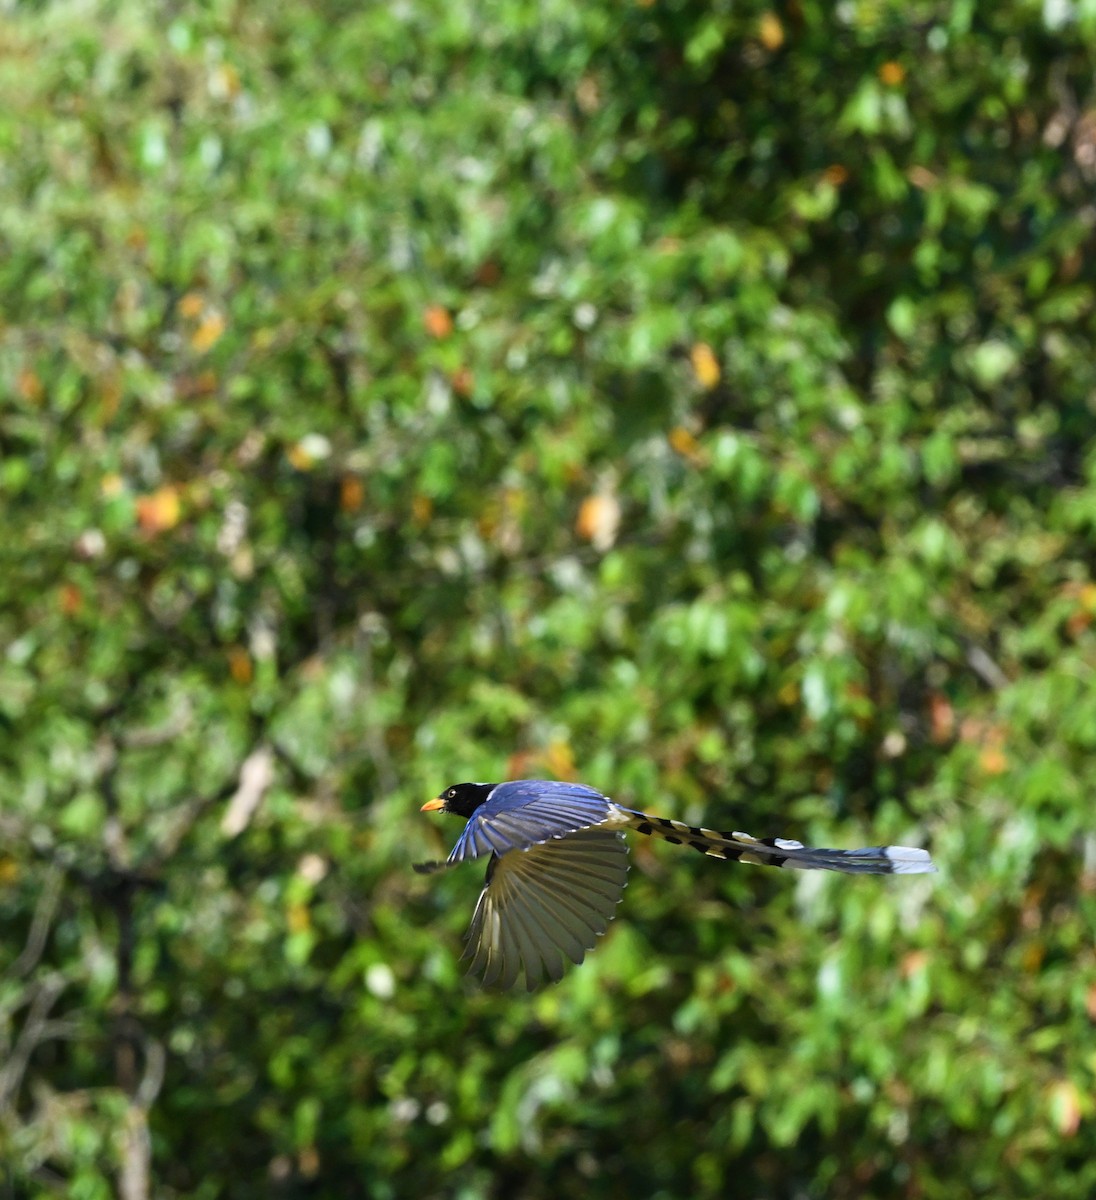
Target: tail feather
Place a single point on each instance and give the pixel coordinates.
(784, 852)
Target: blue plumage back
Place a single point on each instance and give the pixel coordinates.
(523, 812)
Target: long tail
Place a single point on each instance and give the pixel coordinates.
(783, 852)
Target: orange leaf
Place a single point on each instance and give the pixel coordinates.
(913, 962)
(1081, 616)
(560, 760)
(598, 520)
(1077, 622)
(922, 177)
(189, 387)
(438, 322)
(422, 509)
(310, 450)
(705, 365)
(683, 442)
(520, 763)
(993, 760)
(224, 82)
(299, 457)
(208, 333)
(462, 381)
(29, 386)
(72, 599)
(836, 174)
(770, 31)
(972, 729)
(555, 759)
(239, 664)
(159, 511)
(191, 306)
(941, 718)
(351, 494)
(892, 74)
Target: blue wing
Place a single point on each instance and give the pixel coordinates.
(526, 812)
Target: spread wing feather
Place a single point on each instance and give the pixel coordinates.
(549, 902)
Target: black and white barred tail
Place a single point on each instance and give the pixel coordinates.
(780, 852)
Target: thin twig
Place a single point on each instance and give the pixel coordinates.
(133, 1182)
(256, 776)
(32, 1033)
(40, 924)
(133, 1179)
(986, 669)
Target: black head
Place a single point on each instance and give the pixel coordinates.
(462, 799)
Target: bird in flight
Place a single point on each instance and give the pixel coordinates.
(557, 862)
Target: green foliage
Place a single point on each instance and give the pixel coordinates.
(693, 399)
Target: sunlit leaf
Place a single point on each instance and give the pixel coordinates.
(159, 511)
(239, 664)
(1065, 1107)
(351, 494)
(438, 322)
(208, 333)
(599, 519)
(705, 365)
(770, 31)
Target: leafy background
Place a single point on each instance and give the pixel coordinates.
(695, 399)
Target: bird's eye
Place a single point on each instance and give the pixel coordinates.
(451, 794)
